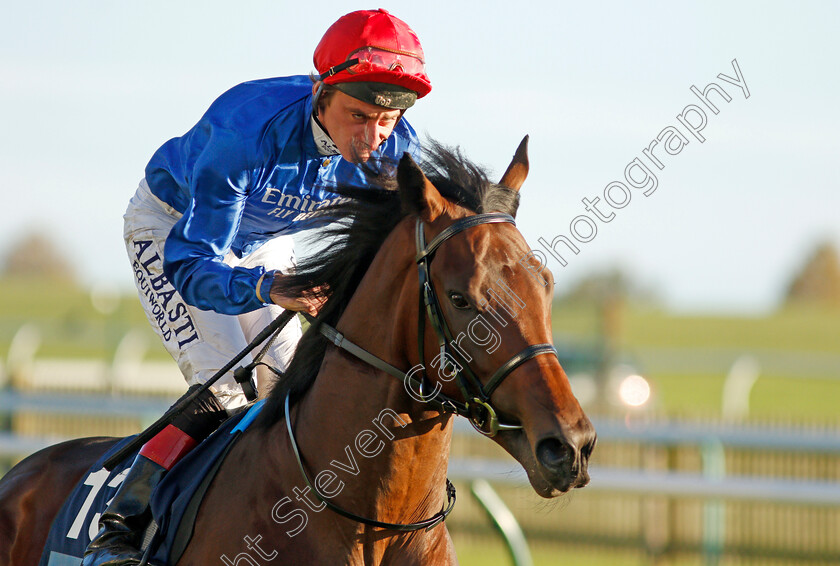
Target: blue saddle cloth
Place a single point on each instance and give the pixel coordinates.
(172, 503)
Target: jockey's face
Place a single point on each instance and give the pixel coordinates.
(357, 128)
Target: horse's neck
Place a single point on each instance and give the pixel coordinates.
(360, 424)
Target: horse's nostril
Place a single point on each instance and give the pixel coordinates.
(555, 454)
(586, 449)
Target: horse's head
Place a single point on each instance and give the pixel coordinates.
(495, 325)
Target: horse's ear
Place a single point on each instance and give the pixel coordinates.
(418, 195)
(517, 171)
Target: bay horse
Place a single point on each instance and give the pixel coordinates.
(347, 464)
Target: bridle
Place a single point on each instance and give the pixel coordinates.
(476, 407)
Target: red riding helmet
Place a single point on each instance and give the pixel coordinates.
(372, 46)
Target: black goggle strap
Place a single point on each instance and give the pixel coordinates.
(337, 69)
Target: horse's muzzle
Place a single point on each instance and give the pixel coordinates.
(566, 460)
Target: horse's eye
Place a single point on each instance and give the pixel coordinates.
(458, 300)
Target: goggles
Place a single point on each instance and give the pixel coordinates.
(372, 59)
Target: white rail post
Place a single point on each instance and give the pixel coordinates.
(21, 358)
(504, 520)
(714, 510)
(128, 358)
(737, 388)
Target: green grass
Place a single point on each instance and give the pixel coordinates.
(798, 330)
(67, 321)
(67, 314)
(697, 392)
(771, 397)
(483, 551)
(692, 395)
(774, 396)
(791, 330)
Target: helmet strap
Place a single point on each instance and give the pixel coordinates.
(337, 68)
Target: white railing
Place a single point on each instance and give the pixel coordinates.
(705, 484)
(709, 484)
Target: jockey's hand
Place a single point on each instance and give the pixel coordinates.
(310, 302)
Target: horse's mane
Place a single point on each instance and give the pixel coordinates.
(362, 219)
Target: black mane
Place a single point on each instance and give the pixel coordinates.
(366, 217)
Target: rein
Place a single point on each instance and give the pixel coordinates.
(476, 406)
(424, 524)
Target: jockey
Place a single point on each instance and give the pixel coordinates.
(209, 230)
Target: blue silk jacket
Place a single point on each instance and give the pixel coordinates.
(247, 172)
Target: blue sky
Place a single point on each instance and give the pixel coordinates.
(91, 89)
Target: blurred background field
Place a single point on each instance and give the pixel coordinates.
(78, 343)
(685, 357)
(688, 357)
